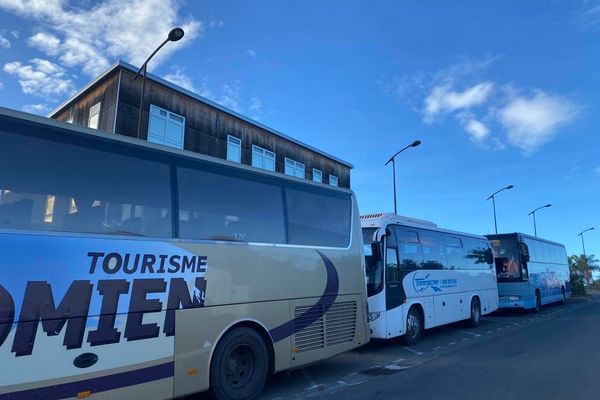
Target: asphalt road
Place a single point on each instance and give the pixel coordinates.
(512, 355)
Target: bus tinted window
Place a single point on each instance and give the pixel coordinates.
(434, 256)
(318, 218)
(411, 255)
(477, 254)
(215, 206)
(454, 252)
(54, 186)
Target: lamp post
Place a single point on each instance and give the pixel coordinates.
(533, 213)
(493, 197)
(581, 234)
(393, 161)
(174, 35)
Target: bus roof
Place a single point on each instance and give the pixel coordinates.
(379, 220)
(519, 234)
(54, 128)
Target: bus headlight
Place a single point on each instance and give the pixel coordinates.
(374, 315)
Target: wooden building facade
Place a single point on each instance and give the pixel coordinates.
(179, 118)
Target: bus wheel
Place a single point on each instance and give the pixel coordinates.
(475, 318)
(239, 366)
(563, 295)
(538, 302)
(414, 326)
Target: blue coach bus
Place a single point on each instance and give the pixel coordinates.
(530, 271)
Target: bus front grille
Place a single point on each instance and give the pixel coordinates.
(337, 326)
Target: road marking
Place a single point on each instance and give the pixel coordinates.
(398, 360)
(395, 367)
(488, 332)
(452, 343)
(469, 333)
(501, 321)
(411, 350)
(437, 347)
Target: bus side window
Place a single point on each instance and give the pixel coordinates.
(411, 254)
(454, 252)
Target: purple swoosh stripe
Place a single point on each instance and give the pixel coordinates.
(287, 329)
(95, 385)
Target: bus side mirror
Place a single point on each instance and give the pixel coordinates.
(524, 252)
(489, 256)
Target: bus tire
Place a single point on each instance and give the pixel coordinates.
(538, 302)
(563, 295)
(239, 366)
(475, 318)
(414, 326)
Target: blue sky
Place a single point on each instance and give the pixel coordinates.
(499, 92)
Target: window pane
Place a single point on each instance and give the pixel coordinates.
(289, 167)
(234, 150)
(257, 159)
(434, 256)
(476, 254)
(317, 176)
(158, 128)
(217, 206)
(175, 135)
(454, 252)
(269, 164)
(318, 218)
(333, 180)
(392, 274)
(62, 187)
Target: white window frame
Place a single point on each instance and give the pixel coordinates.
(320, 173)
(262, 153)
(297, 168)
(169, 118)
(94, 112)
(335, 179)
(235, 142)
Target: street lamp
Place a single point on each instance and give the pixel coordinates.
(493, 197)
(174, 35)
(533, 213)
(581, 234)
(393, 161)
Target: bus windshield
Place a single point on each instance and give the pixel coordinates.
(508, 261)
(374, 263)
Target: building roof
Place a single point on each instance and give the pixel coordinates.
(131, 68)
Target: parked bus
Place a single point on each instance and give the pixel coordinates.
(132, 270)
(420, 276)
(531, 271)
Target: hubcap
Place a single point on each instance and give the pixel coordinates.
(239, 368)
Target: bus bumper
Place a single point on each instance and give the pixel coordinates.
(516, 301)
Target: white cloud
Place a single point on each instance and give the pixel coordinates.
(46, 42)
(251, 53)
(533, 121)
(4, 42)
(215, 24)
(15, 33)
(230, 96)
(597, 169)
(477, 130)
(444, 100)
(93, 37)
(255, 104)
(1, 85)
(40, 109)
(42, 78)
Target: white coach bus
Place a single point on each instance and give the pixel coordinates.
(130, 270)
(420, 276)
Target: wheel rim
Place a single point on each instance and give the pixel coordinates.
(239, 367)
(413, 324)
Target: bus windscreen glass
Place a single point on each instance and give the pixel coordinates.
(507, 259)
(374, 263)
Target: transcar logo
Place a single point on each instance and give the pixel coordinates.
(71, 314)
(422, 283)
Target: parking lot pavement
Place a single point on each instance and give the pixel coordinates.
(380, 366)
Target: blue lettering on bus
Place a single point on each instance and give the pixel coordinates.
(71, 313)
